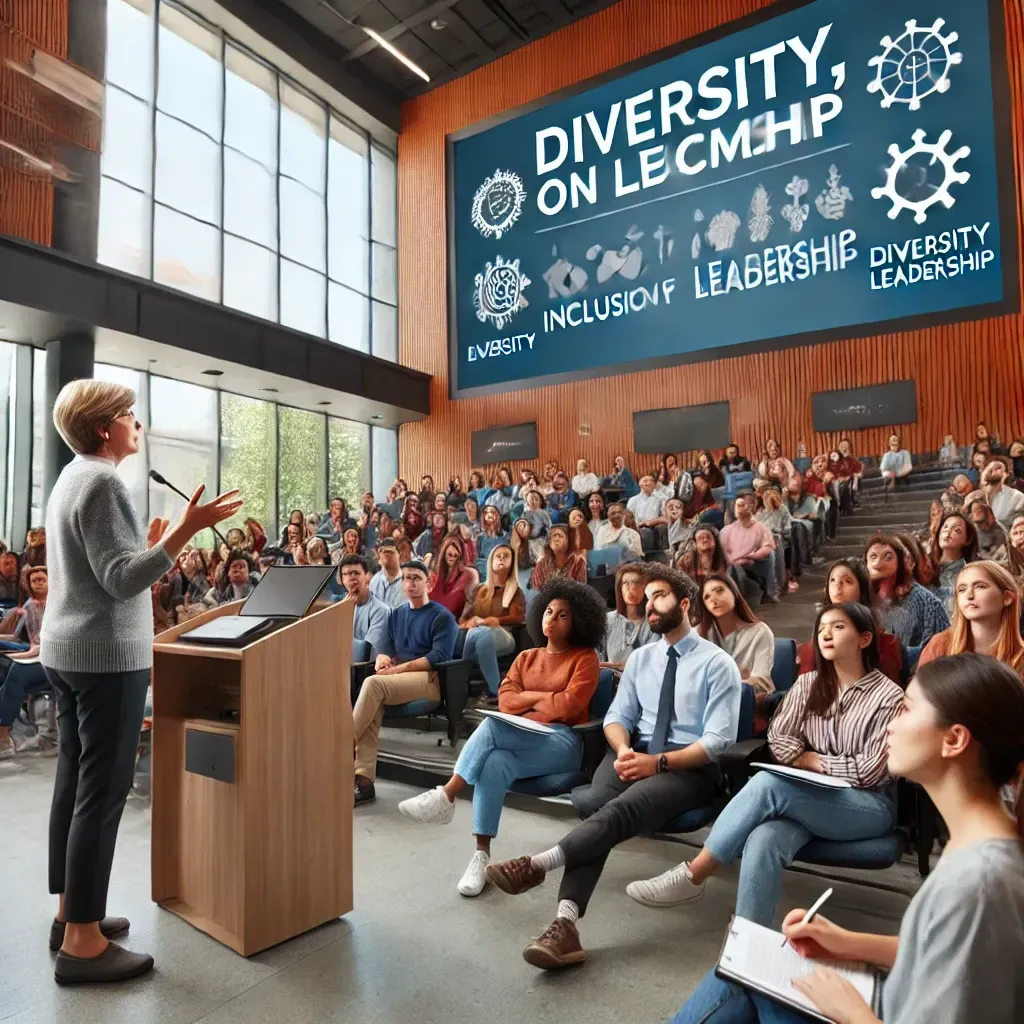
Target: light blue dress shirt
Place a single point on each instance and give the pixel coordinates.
(390, 592)
(370, 623)
(707, 694)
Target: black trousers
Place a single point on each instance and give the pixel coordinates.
(99, 716)
(616, 811)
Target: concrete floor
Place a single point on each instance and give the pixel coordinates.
(413, 949)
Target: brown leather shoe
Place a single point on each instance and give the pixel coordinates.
(558, 947)
(515, 876)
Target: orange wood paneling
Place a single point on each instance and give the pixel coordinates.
(965, 372)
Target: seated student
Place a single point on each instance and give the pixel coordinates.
(334, 524)
(239, 580)
(627, 627)
(958, 958)
(852, 467)
(477, 486)
(949, 453)
(561, 499)
(451, 576)
(500, 494)
(774, 466)
(701, 506)
(1016, 454)
(547, 482)
(706, 468)
(774, 515)
(386, 584)
(749, 544)
(833, 721)
(918, 563)
(456, 497)
(726, 620)
(648, 508)
(580, 537)
(10, 580)
(1005, 501)
(952, 498)
(703, 554)
(661, 761)
(17, 681)
(412, 518)
(584, 483)
(440, 503)
(527, 482)
(429, 541)
(986, 442)
(370, 614)
(35, 547)
(621, 479)
(1016, 536)
(536, 514)
(295, 518)
(993, 542)
(956, 544)
(397, 491)
(316, 552)
(552, 683)
(679, 528)
(847, 581)
(672, 481)
(559, 559)
(471, 508)
(805, 512)
(908, 611)
(895, 465)
(521, 547)
(351, 542)
(732, 461)
(615, 533)
(976, 466)
(421, 634)
(293, 546)
(427, 491)
(596, 514)
(986, 618)
(21, 624)
(490, 609)
(491, 533)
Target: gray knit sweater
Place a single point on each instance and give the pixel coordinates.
(99, 614)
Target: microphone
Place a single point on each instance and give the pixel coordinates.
(160, 479)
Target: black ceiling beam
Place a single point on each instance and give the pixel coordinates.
(441, 7)
(501, 12)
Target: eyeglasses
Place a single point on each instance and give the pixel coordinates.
(125, 415)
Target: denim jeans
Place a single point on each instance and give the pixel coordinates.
(498, 753)
(763, 570)
(484, 645)
(21, 680)
(772, 818)
(715, 1001)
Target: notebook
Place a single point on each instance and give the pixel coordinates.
(760, 959)
(518, 721)
(802, 775)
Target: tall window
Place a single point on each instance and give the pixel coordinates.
(385, 459)
(134, 471)
(301, 462)
(348, 460)
(38, 509)
(248, 458)
(242, 187)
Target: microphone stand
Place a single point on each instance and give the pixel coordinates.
(157, 478)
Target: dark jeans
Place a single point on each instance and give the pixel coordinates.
(616, 811)
(99, 716)
(18, 681)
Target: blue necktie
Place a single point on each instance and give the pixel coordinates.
(666, 706)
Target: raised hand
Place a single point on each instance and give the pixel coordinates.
(197, 517)
(157, 529)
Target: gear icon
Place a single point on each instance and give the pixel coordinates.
(940, 193)
(915, 65)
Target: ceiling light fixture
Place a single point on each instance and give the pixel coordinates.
(438, 24)
(376, 416)
(213, 373)
(271, 390)
(323, 403)
(396, 53)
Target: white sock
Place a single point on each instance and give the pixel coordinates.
(549, 859)
(568, 910)
(686, 869)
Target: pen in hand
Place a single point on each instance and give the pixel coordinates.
(815, 907)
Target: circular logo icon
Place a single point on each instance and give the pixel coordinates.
(499, 292)
(498, 203)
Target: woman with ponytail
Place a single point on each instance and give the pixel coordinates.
(959, 958)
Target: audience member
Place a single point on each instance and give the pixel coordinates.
(976, 466)
(774, 515)
(749, 544)
(986, 618)
(559, 559)
(520, 544)
(621, 479)
(1017, 459)
(352, 542)
(627, 627)
(547, 483)
(451, 576)
(10, 580)
(337, 520)
(440, 503)
(1016, 539)
(678, 528)
(490, 609)
(477, 485)
(958, 956)
(420, 635)
(580, 537)
(774, 466)
(316, 552)
(310, 526)
(536, 515)
(993, 543)
(804, 509)
(672, 481)
(370, 614)
(956, 544)
(706, 468)
(1004, 501)
(675, 711)
(295, 518)
(294, 545)
(954, 495)
(386, 584)
(597, 515)
(918, 563)
(16, 680)
(584, 483)
(471, 508)
(398, 491)
(732, 461)
(832, 721)
(851, 464)
(703, 554)
(35, 547)
(456, 497)
(238, 582)
(847, 582)
(907, 610)
(615, 533)
(552, 683)
(984, 441)
(561, 498)
(648, 508)
(701, 505)
(499, 495)
(527, 482)
(725, 618)
(412, 519)
(427, 491)
(428, 542)
(491, 533)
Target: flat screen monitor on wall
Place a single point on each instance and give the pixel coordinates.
(688, 428)
(884, 405)
(828, 171)
(503, 444)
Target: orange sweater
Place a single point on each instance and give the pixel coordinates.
(570, 679)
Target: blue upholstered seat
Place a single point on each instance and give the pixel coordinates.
(784, 667)
(859, 853)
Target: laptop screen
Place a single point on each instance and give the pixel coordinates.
(287, 591)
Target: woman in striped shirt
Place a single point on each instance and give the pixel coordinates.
(832, 722)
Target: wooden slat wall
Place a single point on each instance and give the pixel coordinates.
(26, 203)
(964, 372)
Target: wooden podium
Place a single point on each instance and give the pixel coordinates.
(252, 779)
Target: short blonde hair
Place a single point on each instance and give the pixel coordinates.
(85, 406)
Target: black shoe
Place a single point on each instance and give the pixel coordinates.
(365, 793)
(115, 963)
(771, 598)
(109, 926)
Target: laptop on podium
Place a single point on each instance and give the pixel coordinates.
(284, 594)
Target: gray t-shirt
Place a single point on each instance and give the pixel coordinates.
(961, 954)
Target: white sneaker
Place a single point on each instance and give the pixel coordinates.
(431, 808)
(7, 750)
(669, 889)
(472, 883)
